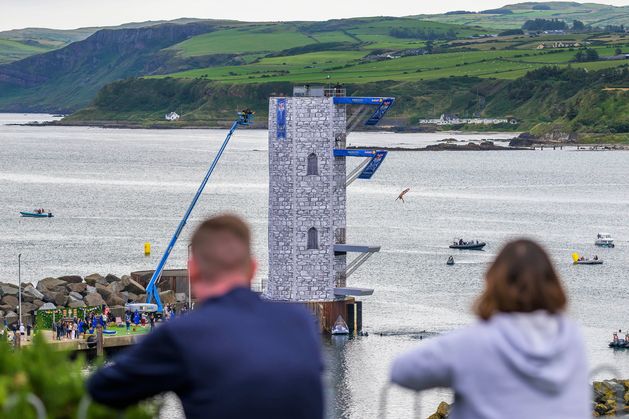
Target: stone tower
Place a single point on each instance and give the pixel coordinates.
(306, 196)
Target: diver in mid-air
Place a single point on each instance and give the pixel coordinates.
(401, 195)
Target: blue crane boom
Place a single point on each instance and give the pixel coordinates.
(152, 291)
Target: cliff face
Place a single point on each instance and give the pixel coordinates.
(77, 71)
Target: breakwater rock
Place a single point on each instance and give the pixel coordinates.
(609, 398)
(74, 291)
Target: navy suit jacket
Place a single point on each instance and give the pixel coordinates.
(236, 356)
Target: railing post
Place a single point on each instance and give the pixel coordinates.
(31, 399)
(99, 340)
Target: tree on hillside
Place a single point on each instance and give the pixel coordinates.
(577, 25)
(511, 32)
(544, 25)
(617, 51)
(586, 55)
(501, 11)
(429, 47)
(418, 33)
(614, 29)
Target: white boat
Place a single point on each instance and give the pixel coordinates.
(340, 327)
(604, 240)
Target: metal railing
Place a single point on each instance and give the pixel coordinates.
(40, 408)
(603, 368)
(83, 408)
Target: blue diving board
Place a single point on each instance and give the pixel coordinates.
(383, 104)
(376, 158)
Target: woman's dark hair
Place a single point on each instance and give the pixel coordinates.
(521, 279)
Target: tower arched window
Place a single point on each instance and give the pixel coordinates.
(313, 238)
(313, 164)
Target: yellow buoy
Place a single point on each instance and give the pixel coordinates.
(147, 249)
(575, 257)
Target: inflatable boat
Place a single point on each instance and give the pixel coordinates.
(36, 214)
(468, 245)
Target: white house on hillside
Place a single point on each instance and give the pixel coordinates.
(172, 116)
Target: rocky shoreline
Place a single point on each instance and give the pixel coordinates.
(449, 146)
(74, 291)
(610, 398)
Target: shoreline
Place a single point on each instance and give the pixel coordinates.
(443, 145)
(259, 124)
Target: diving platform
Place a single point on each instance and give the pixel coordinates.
(367, 168)
(343, 249)
(383, 105)
(365, 252)
(352, 292)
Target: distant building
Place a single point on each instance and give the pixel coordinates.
(172, 116)
(560, 44)
(447, 119)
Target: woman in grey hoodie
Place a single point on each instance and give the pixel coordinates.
(523, 360)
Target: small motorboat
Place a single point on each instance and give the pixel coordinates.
(619, 344)
(38, 213)
(588, 262)
(471, 245)
(340, 327)
(580, 260)
(604, 240)
(450, 261)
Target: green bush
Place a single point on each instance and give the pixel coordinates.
(55, 379)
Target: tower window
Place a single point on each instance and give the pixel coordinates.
(313, 164)
(313, 238)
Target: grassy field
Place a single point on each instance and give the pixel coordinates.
(11, 50)
(348, 66)
(258, 39)
(589, 13)
(122, 330)
(365, 33)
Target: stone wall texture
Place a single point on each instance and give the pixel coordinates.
(299, 201)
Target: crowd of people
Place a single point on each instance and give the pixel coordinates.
(79, 326)
(11, 331)
(75, 327)
(237, 347)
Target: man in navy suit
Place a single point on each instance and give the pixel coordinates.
(235, 355)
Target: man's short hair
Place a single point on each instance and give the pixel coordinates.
(221, 245)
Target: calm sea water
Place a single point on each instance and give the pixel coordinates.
(112, 190)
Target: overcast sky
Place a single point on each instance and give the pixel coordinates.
(69, 14)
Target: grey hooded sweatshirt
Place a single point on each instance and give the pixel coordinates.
(516, 366)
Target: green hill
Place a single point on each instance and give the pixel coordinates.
(11, 50)
(549, 98)
(513, 16)
(206, 70)
(21, 43)
(66, 79)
